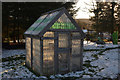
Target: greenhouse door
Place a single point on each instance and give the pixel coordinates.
(63, 52)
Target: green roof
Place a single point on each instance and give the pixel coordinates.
(35, 25)
(45, 22)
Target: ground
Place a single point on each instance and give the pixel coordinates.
(100, 61)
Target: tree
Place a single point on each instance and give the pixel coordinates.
(17, 17)
(105, 19)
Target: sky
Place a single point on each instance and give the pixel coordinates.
(83, 12)
(84, 5)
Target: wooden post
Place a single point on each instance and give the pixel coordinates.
(81, 54)
(56, 64)
(31, 53)
(26, 50)
(41, 56)
(69, 52)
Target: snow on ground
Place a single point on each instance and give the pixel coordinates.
(18, 72)
(106, 66)
(93, 45)
(108, 62)
(9, 53)
(88, 56)
(96, 64)
(15, 69)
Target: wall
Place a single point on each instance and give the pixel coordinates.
(36, 55)
(28, 52)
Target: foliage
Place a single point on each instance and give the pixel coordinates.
(106, 17)
(19, 16)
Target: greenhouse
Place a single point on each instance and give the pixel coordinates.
(54, 44)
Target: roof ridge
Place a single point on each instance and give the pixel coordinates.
(58, 9)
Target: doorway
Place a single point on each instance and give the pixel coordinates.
(63, 52)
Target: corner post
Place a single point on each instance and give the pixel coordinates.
(69, 52)
(31, 53)
(81, 54)
(41, 56)
(56, 64)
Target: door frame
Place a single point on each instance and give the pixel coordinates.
(58, 50)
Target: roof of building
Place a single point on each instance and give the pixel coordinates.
(53, 20)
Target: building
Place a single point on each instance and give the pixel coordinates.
(54, 44)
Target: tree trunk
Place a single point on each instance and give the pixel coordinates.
(18, 22)
(112, 19)
(7, 33)
(14, 36)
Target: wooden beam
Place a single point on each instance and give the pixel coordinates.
(31, 36)
(31, 53)
(52, 11)
(51, 23)
(74, 22)
(69, 51)
(64, 30)
(48, 38)
(56, 64)
(26, 51)
(63, 50)
(76, 37)
(41, 56)
(81, 54)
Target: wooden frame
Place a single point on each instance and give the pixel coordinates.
(81, 54)
(62, 11)
(41, 56)
(31, 53)
(56, 53)
(58, 50)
